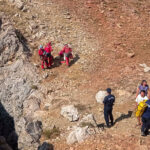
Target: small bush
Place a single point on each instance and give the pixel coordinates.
(80, 107)
(34, 87)
(84, 124)
(52, 133)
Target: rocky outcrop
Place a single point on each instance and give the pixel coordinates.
(17, 75)
(100, 96)
(78, 135)
(46, 146)
(88, 120)
(10, 47)
(70, 112)
(18, 3)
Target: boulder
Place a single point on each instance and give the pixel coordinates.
(19, 4)
(78, 135)
(34, 128)
(70, 112)
(46, 146)
(31, 105)
(100, 96)
(88, 120)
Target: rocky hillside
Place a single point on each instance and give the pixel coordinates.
(110, 42)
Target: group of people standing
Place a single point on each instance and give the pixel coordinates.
(47, 58)
(142, 107)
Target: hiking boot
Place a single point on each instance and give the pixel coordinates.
(143, 134)
(147, 133)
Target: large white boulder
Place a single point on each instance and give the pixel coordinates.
(100, 96)
(70, 112)
(78, 135)
(88, 120)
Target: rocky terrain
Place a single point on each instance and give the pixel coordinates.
(59, 106)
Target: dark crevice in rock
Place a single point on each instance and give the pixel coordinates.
(23, 41)
(7, 128)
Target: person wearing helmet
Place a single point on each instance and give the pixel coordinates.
(66, 52)
(108, 107)
(43, 57)
(48, 50)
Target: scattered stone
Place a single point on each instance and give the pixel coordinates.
(100, 109)
(70, 112)
(31, 105)
(19, 4)
(46, 146)
(100, 96)
(88, 120)
(47, 106)
(78, 135)
(130, 54)
(33, 25)
(146, 68)
(34, 129)
(119, 25)
(40, 34)
(45, 75)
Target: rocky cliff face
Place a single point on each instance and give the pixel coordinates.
(17, 76)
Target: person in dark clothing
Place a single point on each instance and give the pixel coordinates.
(146, 119)
(108, 107)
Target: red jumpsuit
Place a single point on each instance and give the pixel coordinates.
(67, 52)
(48, 50)
(43, 58)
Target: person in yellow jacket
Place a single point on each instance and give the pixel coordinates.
(141, 97)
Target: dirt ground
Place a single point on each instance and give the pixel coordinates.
(121, 29)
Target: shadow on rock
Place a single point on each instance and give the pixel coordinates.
(124, 116)
(101, 126)
(46, 146)
(7, 128)
(23, 40)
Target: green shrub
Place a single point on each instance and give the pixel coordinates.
(84, 124)
(34, 87)
(52, 133)
(80, 107)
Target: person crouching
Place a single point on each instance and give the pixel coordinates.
(66, 52)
